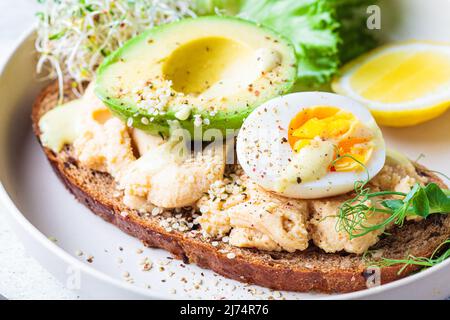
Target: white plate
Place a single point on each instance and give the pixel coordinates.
(40, 208)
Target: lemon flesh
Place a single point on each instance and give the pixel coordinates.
(402, 84)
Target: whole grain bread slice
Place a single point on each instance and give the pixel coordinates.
(310, 270)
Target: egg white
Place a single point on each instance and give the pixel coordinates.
(264, 153)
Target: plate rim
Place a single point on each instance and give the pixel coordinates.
(21, 221)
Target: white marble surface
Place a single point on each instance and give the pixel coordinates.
(21, 277)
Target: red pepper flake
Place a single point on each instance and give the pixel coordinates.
(257, 93)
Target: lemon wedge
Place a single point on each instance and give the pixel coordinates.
(402, 84)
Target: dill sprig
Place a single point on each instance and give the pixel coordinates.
(354, 213)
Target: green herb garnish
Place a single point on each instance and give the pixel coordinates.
(419, 201)
(441, 253)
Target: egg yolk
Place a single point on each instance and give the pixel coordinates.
(352, 140)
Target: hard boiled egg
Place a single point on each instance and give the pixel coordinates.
(310, 145)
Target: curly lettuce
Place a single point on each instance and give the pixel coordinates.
(325, 33)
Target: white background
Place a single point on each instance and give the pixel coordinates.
(21, 277)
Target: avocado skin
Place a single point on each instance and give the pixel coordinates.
(225, 121)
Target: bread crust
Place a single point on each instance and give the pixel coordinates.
(288, 273)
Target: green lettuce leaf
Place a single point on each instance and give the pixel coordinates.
(325, 33)
(211, 7)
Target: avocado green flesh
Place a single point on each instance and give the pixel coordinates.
(220, 68)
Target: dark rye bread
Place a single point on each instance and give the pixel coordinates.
(310, 270)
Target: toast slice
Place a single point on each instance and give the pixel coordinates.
(310, 270)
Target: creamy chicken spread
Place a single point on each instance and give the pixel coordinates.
(154, 173)
(159, 173)
(254, 217)
(322, 226)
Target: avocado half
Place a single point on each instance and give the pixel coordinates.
(207, 72)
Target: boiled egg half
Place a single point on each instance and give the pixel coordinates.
(310, 145)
